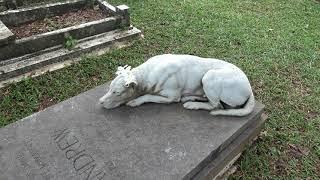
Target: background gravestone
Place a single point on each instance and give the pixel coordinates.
(47, 37)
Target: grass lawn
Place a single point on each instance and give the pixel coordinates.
(275, 42)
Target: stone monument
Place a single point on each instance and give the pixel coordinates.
(32, 52)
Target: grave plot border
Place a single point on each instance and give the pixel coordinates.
(21, 56)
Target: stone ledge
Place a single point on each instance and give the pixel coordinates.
(28, 14)
(218, 168)
(19, 66)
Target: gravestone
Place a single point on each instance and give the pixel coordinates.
(78, 139)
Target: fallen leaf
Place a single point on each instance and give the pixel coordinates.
(298, 151)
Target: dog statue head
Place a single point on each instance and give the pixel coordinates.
(121, 89)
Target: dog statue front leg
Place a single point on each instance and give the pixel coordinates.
(151, 98)
(193, 98)
(198, 105)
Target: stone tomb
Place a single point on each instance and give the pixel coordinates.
(38, 53)
(78, 139)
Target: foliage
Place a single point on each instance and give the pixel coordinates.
(70, 42)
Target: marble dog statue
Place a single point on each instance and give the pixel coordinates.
(199, 83)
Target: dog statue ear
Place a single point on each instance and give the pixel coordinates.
(127, 67)
(120, 70)
(129, 77)
(123, 70)
(132, 83)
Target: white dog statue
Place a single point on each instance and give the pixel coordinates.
(199, 83)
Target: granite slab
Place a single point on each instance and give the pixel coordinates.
(78, 139)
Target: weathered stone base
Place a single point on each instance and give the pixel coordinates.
(78, 139)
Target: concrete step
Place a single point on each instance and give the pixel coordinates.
(15, 67)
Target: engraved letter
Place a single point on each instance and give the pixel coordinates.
(88, 171)
(82, 161)
(99, 176)
(57, 133)
(66, 142)
(71, 153)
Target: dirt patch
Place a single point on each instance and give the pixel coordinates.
(281, 167)
(300, 87)
(297, 151)
(68, 19)
(312, 115)
(46, 102)
(318, 169)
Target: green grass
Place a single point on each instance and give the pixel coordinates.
(276, 42)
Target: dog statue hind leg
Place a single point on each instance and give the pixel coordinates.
(230, 86)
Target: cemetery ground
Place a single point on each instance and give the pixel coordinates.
(275, 42)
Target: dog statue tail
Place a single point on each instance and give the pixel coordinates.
(247, 109)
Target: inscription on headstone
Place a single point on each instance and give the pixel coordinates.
(83, 163)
